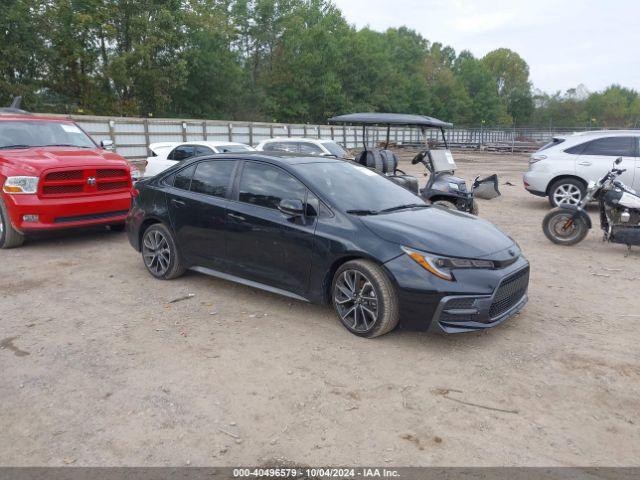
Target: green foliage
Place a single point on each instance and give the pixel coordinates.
(273, 60)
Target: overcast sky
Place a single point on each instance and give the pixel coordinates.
(565, 42)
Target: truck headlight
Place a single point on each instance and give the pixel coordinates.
(441, 266)
(21, 185)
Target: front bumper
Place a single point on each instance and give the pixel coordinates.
(477, 300)
(60, 213)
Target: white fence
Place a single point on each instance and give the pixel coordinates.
(132, 135)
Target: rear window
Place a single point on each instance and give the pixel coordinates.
(232, 148)
(552, 143)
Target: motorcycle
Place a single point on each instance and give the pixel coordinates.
(619, 208)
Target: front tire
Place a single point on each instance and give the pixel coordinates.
(9, 236)
(365, 299)
(563, 227)
(160, 253)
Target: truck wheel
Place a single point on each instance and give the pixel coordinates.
(9, 236)
(365, 299)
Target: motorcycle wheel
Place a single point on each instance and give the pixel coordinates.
(562, 227)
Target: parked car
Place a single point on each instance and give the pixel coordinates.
(325, 230)
(167, 154)
(304, 146)
(562, 169)
(54, 176)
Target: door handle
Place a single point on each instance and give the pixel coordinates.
(178, 203)
(236, 217)
(584, 163)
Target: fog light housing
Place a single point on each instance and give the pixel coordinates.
(30, 218)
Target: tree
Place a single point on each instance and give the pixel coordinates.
(481, 89)
(511, 74)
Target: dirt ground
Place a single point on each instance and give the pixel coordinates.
(97, 368)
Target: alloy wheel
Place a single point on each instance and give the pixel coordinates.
(356, 301)
(567, 194)
(156, 252)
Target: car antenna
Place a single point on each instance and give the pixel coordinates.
(14, 108)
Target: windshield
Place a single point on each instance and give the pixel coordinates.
(353, 188)
(233, 148)
(34, 133)
(335, 149)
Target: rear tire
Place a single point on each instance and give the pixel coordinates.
(160, 253)
(562, 227)
(566, 191)
(9, 236)
(365, 299)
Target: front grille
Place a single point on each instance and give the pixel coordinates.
(102, 187)
(61, 189)
(110, 172)
(509, 293)
(450, 315)
(85, 182)
(68, 175)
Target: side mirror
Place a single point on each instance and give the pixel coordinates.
(107, 144)
(618, 161)
(290, 207)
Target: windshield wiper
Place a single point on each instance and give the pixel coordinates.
(363, 212)
(15, 146)
(403, 207)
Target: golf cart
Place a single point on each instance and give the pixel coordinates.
(442, 187)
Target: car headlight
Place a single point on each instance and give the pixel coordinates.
(453, 186)
(21, 185)
(441, 266)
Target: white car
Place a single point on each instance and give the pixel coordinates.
(562, 169)
(306, 146)
(167, 154)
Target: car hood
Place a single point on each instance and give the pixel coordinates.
(34, 161)
(441, 231)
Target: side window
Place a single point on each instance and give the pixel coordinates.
(182, 179)
(213, 177)
(576, 149)
(182, 153)
(611, 146)
(200, 150)
(270, 146)
(310, 148)
(265, 185)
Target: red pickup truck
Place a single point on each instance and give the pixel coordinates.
(54, 176)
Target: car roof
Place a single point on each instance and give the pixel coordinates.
(277, 158)
(296, 139)
(605, 133)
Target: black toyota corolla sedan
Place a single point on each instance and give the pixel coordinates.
(324, 230)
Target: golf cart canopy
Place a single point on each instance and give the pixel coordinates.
(390, 119)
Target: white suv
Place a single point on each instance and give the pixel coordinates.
(563, 168)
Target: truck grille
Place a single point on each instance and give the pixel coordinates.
(509, 293)
(83, 182)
